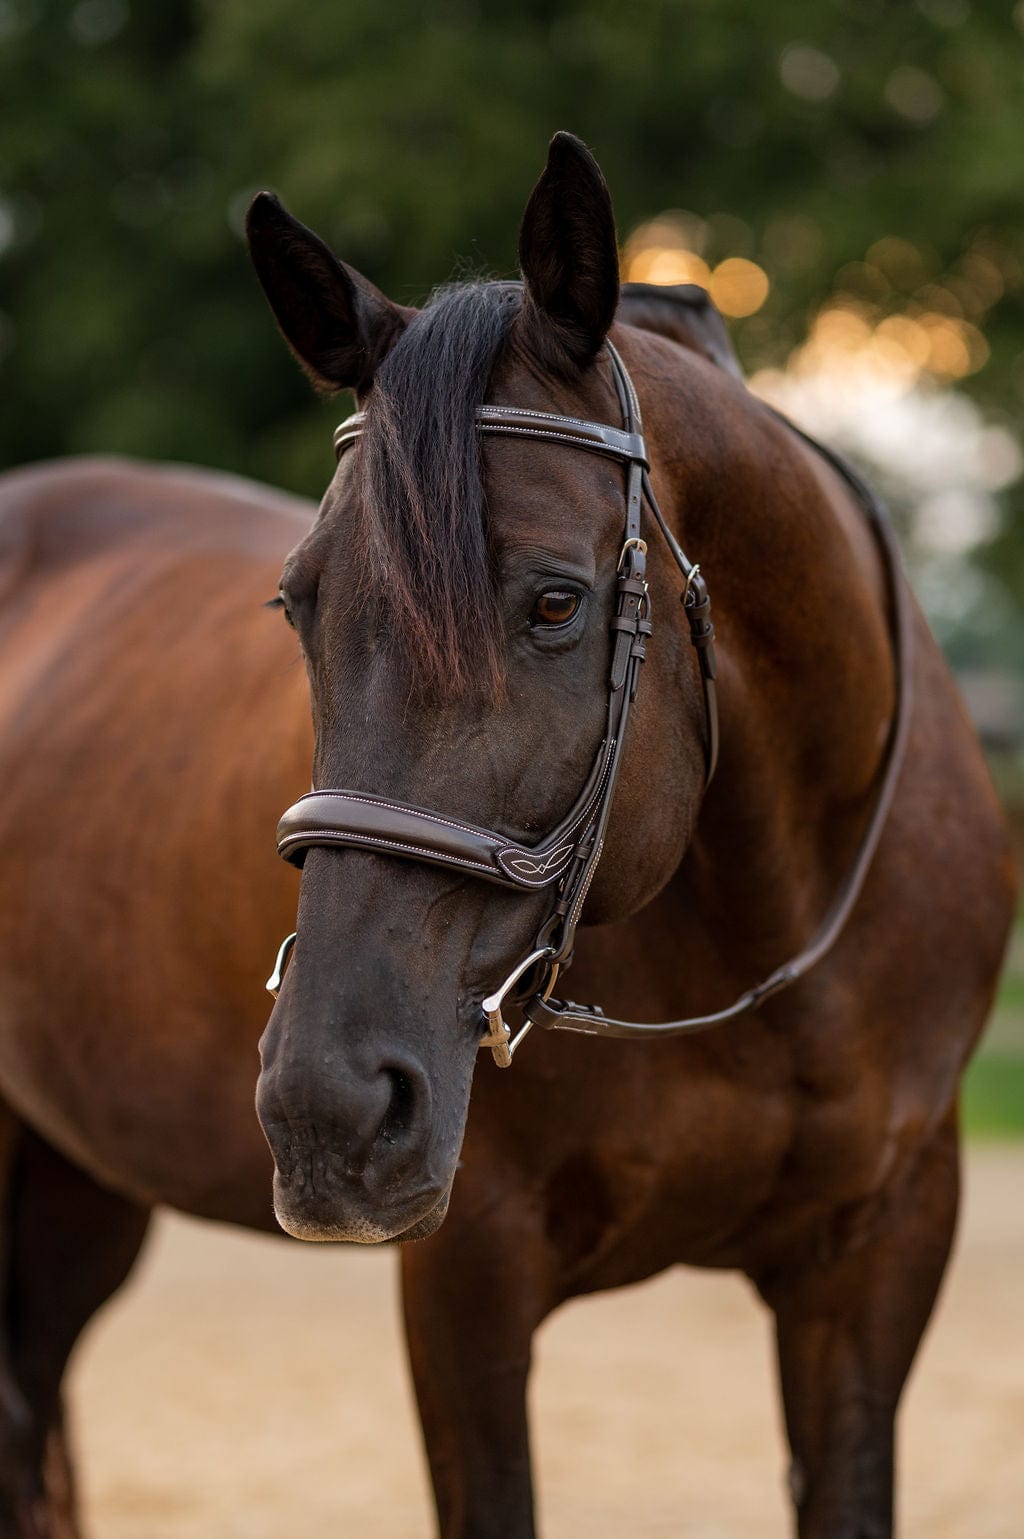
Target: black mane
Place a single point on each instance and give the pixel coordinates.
(425, 546)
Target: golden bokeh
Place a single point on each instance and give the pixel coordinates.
(932, 334)
(902, 347)
(738, 286)
(666, 264)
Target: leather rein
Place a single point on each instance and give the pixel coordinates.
(567, 858)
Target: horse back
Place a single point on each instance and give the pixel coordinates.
(54, 516)
(154, 719)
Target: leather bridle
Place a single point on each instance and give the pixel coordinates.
(566, 859)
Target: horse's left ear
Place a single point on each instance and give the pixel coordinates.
(338, 325)
(569, 256)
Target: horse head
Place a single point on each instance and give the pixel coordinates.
(454, 602)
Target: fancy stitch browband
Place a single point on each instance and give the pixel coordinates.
(568, 856)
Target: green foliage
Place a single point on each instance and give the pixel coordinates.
(409, 134)
(993, 1097)
(993, 1101)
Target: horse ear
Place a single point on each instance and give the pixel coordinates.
(569, 256)
(338, 325)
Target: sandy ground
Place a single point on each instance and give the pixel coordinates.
(247, 1388)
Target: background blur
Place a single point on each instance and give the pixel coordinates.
(847, 179)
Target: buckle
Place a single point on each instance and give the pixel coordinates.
(634, 543)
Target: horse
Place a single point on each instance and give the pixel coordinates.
(458, 603)
(132, 956)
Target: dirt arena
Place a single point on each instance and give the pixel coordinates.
(247, 1388)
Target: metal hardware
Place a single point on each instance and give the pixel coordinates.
(500, 1039)
(273, 983)
(635, 543)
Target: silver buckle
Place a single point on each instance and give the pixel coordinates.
(499, 1038)
(634, 543)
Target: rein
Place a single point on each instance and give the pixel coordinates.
(567, 858)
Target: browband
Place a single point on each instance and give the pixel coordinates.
(515, 421)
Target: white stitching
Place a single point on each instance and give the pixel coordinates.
(569, 438)
(488, 413)
(529, 866)
(577, 908)
(532, 881)
(313, 837)
(318, 835)
(546, 416)
(592, 435)
(366, 801)
(620, 451)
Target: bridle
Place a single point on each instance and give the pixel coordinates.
(567, 858)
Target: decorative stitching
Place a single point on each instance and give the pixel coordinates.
(592, 434)
(530, 882)
(530, 867)
(577, 908)
(598, 444)
(550, 874)
(414, 812)
(317, 836)
(547, 416)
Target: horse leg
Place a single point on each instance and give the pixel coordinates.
(848, 1326)
(473, 1296)
(67, 1245)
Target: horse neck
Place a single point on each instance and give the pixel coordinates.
(806, 679)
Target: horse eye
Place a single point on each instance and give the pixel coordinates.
(280, 602)
(556, 607)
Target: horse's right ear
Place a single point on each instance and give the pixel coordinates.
(338, 325)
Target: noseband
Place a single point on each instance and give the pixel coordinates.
(567, 858)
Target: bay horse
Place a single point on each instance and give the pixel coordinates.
(453, 601)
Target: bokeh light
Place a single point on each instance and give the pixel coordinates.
(669, 250)
(876, 369)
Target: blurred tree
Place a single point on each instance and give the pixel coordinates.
(409, 134)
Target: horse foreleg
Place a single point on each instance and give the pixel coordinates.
(473, 1297)
(68, 1244)
(848, 1326)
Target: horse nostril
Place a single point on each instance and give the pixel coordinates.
(401, 1111)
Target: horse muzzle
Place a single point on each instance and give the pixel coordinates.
(359, 1153)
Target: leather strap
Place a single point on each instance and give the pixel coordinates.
(517, 422)
(370, 822)
(554, 1014)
